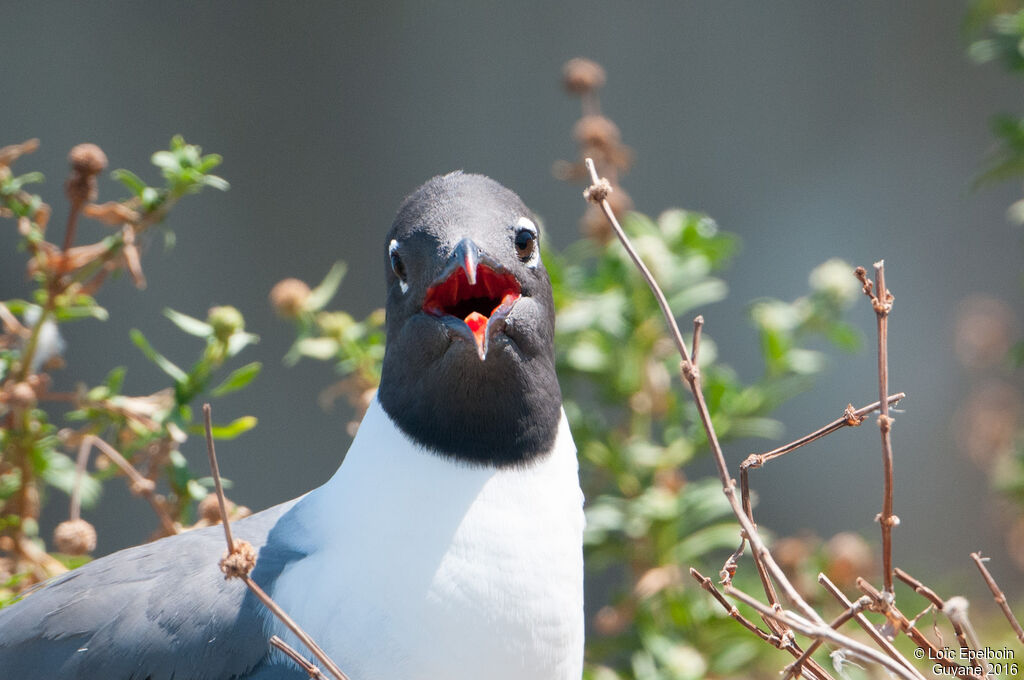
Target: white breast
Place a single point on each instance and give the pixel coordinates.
(427, 568)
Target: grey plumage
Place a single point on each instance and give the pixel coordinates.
(156, 611)
(469, 401)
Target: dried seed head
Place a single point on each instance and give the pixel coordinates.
(226, 321)
(240, 562)
(597, 131)
(611, 621)
(580, 75)
(595, 225)
(288, 298)
(209, 509)
(792, 553)
(75, 537)
(985, 330)
(847, 556)
(87, 159)
(19, 396)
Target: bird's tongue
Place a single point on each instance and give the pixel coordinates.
(477, 323)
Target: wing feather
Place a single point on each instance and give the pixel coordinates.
(157, 611)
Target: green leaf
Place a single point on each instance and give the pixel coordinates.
(115, 379)
(16, 183)
(698, 295)
(60, 472)
(317, 348)
(238, 379)
(215, 182)
(209, 162)
(163, 363)
(189, 324)
(151, 198)
(239, 341)
(74, 313)
(130, 180)
(166, 160)
(233, 429)
(196, 490)
(322, 294)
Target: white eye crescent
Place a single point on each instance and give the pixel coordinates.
(397, 265)
(525, 240)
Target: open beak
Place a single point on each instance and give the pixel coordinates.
(473, 295)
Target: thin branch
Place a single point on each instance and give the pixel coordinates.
(698, 325)
(784, 641)
(997, 594)
(793, 669)
(956, 611)
(940, 604)
(139, 484)
(237, 549)
(709, 585)
(885, 606)
(850, 418)
(825, 633)
(306, 664)
(211, 452)
(864, 623)
(881, 300)
(598, 193)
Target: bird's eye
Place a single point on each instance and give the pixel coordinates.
(397, 265)
(526, 243)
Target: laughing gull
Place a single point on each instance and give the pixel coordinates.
(447, 546)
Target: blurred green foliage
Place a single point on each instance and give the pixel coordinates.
(146, 430)
(995, 31)
(635, 430)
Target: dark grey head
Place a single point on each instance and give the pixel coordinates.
(469, 370)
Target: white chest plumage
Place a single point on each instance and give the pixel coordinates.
(428, 568)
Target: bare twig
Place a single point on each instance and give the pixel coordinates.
(850, 418)
(823, 632)
(997, 594)
(793, 669)
(211, 452)
(864, 623)
(289, 651)
(885, 606)
(234, 549)
(698, 325)
(139, 484)
(956, 611)
(881, 301)
(940, 604)
(784, 641)
(709, 585)
(598, 192)
(813, 624)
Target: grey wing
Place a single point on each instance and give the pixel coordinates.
(157, 611)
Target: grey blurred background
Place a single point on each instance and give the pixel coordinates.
(811, 130)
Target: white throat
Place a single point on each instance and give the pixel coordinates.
(426, 567)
